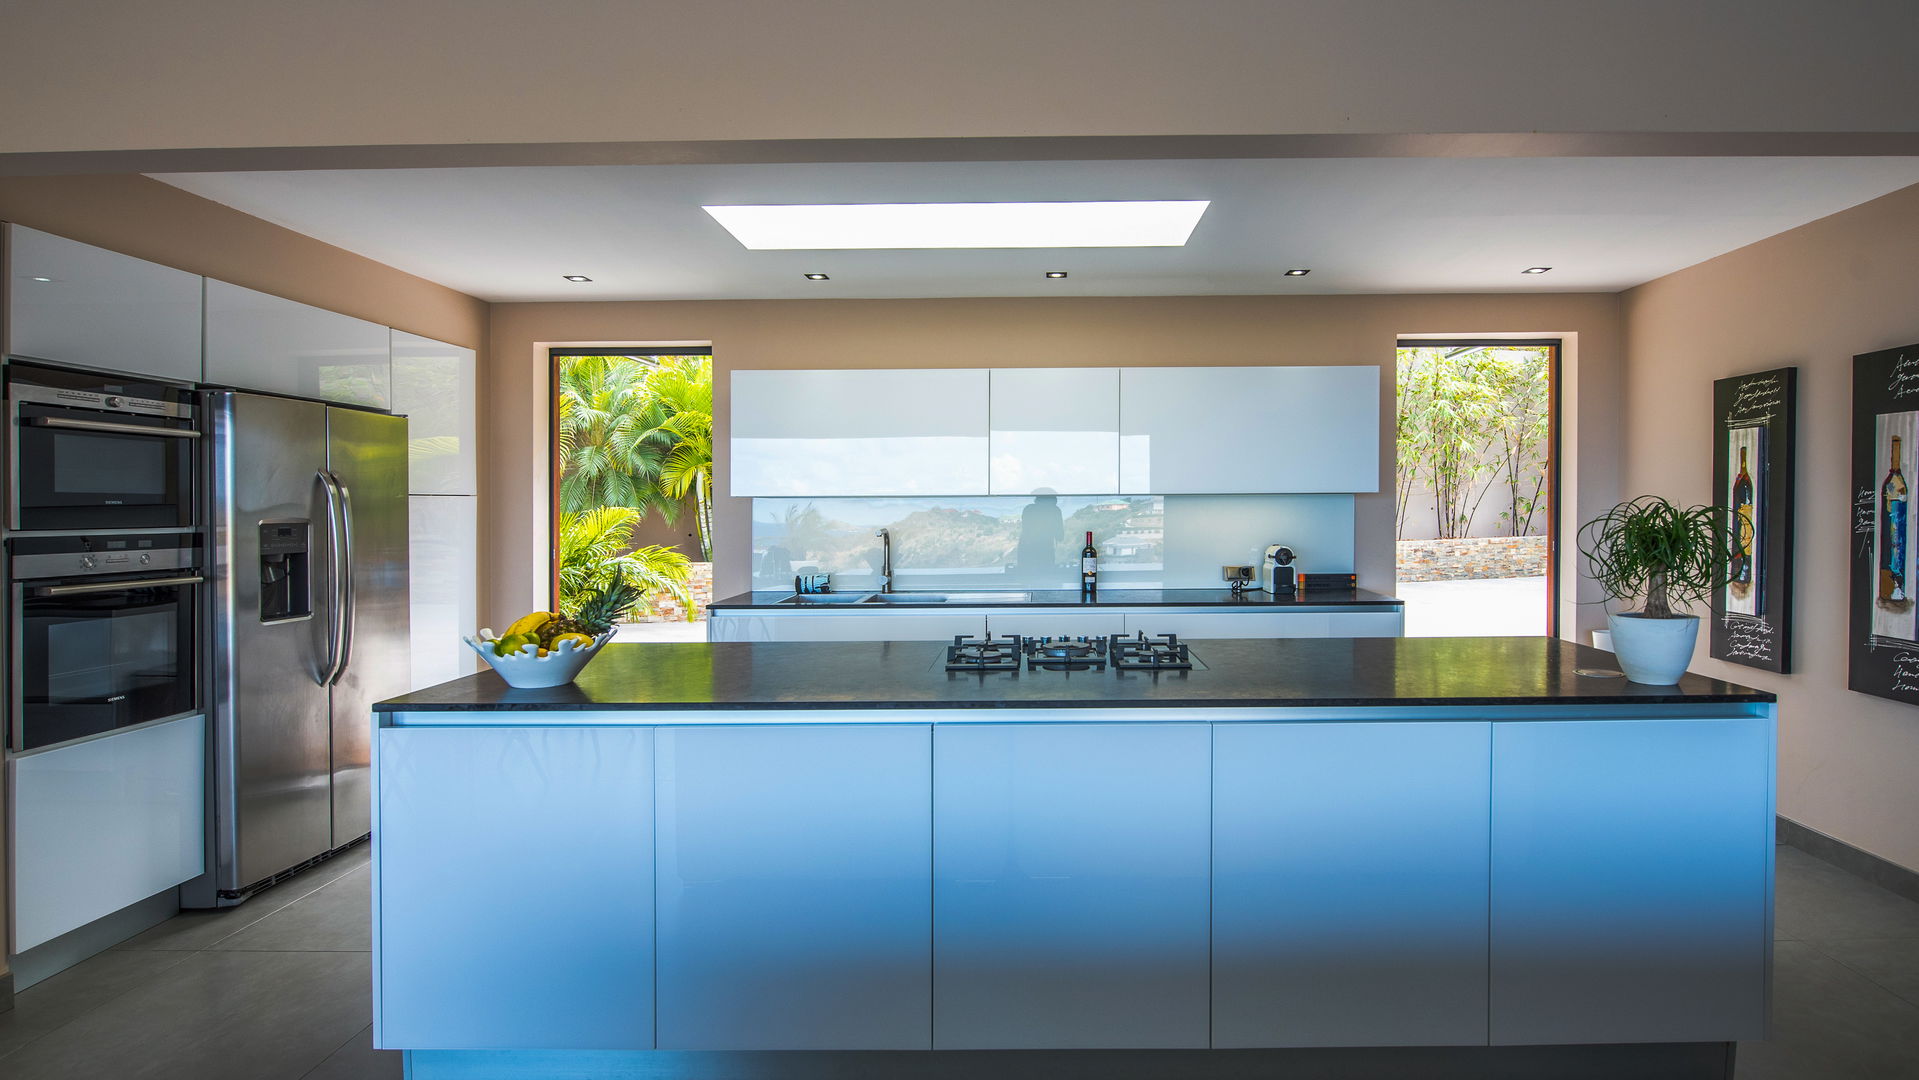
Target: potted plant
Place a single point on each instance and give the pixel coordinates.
(1648, 547)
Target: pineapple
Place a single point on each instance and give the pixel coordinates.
(596, 613)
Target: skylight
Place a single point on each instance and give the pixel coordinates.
(961, 225)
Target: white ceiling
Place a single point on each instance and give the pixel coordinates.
(1362, 225)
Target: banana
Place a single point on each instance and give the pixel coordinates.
(530, 623)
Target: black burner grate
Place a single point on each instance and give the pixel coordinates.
(968, 653)
(1141, 653)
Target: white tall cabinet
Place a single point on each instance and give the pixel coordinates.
(434, 388)
(73, 303)
(257, 341)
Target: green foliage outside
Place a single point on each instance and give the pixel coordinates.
(1468, 415)
(636, 436)
(595, 544)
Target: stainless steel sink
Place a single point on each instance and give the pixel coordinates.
(906, 598)
(821, 599)
(949, 598)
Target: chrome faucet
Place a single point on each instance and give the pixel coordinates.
(886, 559)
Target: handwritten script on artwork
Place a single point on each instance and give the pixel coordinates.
(1905, 672)
(1865, 514)
(1904, 380)
(1749, 639)
(1755, 400)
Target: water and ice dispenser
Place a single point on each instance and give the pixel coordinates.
(286, 586)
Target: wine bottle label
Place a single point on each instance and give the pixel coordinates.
(1088, 565)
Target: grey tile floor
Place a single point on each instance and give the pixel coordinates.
(277, 989)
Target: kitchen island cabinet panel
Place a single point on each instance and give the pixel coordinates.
(1349, 884)
(536, 843)
(1631, 870)
(1071, 883)
(1248, 430)
(795, 888)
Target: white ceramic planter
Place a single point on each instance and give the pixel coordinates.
(529, 670)
(1653, 651)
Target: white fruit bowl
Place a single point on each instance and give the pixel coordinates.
(529, 670)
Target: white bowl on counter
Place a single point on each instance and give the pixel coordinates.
(528, 670)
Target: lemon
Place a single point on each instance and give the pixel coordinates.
(580, 641)
(511, 644)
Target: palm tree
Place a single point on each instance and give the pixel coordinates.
(611, 444)
(594, 544)
(683, 387)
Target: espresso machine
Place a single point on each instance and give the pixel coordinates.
(1276, 571)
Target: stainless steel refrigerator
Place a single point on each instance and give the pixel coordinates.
(309, 565)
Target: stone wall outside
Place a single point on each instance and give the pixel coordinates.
(667, 609)
(1472, 557)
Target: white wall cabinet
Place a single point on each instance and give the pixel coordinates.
(74, 303)
(1237, 430)
(469, 872)
(442, 547)
(1630, 870)
(1071, 885)
(1349, 884)
(795, 888)
(881, 432)
(105, 823)
(1054, 430)
(434, 386)
(255, 341)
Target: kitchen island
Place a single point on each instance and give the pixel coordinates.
(810, 859)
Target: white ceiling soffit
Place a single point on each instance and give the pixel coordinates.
(1361, 225)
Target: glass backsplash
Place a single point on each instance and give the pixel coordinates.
(1033, 542)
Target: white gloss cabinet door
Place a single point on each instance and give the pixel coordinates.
(256, 341)
(105, 823)
(516, 911)
(1631, 864)
(1054, 430)
(834, 626)
(882, 432)
(74, 303)
(1238, 430)
(1061, 624)
(442, 550)
(1349, 884)
(434, 387)
(795, 888)
(1071, 886)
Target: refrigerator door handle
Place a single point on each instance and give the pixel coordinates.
(336, 602)
(349, 599)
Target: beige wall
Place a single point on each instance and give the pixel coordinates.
(1008, 333)
(132, 74)
(1814, 296)
(150, 220)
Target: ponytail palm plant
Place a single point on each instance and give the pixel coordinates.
(1649, 547)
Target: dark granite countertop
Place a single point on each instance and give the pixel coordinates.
(1070, 598)
(1235, 673)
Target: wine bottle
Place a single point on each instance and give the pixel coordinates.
(1892, 531)
(1742, 553)
(1088, 567)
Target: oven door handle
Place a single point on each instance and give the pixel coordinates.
(109, 426)
(115, 586)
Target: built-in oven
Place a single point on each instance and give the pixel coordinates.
(102, 633)
(93, 452)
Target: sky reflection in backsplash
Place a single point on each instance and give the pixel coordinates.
(1033, 541)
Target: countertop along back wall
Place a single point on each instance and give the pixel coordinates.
(1813, 297)
(1023, 332)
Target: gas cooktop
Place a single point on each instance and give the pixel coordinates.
(1012, 654)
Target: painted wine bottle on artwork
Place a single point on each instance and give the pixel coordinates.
(1892, 532)
(1743, 532)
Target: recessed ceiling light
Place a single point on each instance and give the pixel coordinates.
(38, 278)
(1055, 273)
(1297, 273)
(961, 225)
(818, 277)
(576, 277)
(1535, 269)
